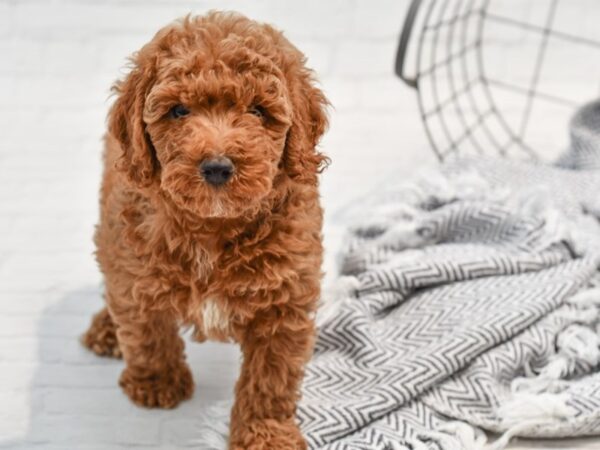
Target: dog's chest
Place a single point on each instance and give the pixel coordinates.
(212, 315)
(212, 320)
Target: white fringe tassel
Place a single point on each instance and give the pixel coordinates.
(468, 436)
(521, 415)
(537, 400)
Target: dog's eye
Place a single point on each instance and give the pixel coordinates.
(257, 110)
(178, 111)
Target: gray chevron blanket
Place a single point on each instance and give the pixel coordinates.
(469, 300)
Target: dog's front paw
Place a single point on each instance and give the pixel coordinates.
(267, 435)
(161, 390)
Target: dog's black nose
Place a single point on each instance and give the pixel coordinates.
(217, 171)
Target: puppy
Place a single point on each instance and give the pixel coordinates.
(210, 218)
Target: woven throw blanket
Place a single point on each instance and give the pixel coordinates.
(469, 299)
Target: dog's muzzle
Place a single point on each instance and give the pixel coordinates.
(217, 171)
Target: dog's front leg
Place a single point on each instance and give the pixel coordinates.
(276, 346)
(156, 374)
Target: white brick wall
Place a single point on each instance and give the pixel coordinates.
(58, 59)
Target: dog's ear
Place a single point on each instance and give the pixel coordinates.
(302, 161)
(138, 160)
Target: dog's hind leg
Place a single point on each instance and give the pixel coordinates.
(101, 336)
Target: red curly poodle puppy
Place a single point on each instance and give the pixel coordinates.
(210, 217)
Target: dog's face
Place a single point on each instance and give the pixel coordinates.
(214, 111)
(218, 129)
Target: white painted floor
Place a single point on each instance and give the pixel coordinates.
(57, 61)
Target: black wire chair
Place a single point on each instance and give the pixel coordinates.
(467, 105)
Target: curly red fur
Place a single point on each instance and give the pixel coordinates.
(241, 261)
